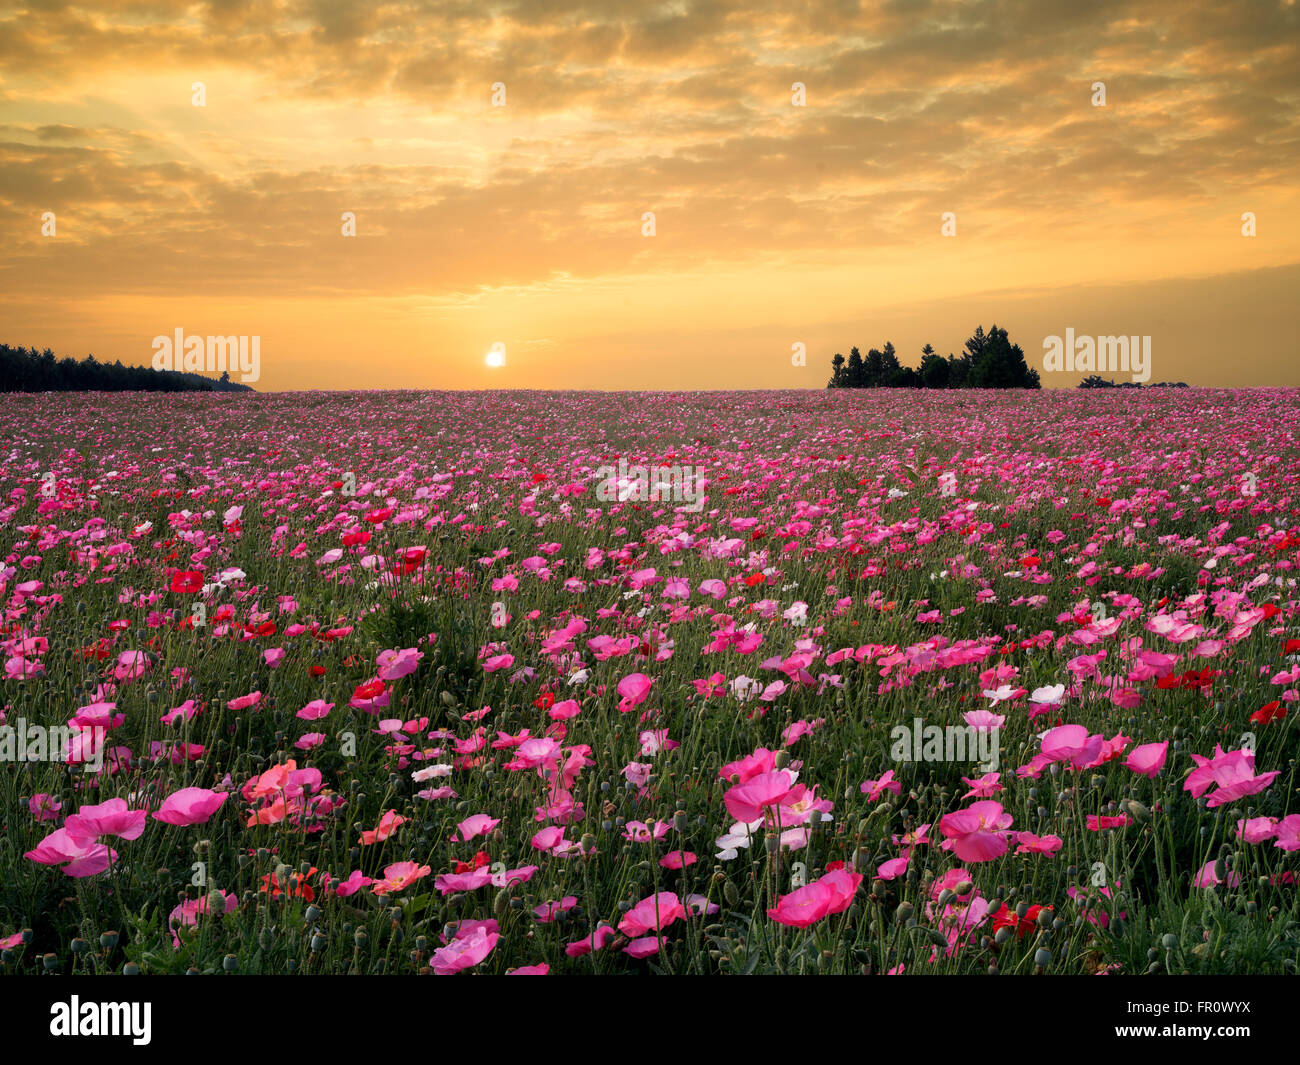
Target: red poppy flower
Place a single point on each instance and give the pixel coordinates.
(1007, 918)
(296, 885)
(1273, 711)
(477, 862)
(187, 581)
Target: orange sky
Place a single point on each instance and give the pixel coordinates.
(775, 224)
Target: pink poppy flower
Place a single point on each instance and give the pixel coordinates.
(832, 893)
(111, 818)
(654, 913)
(398, 876)
(189, 806)
(977, 833)
(633, 689)
(746, 802)
(874, 789)
(1148, 759)
(352, 884)
(464, 953)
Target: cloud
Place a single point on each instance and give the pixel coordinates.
(914, 109)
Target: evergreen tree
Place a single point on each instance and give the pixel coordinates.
(857, 377)
(838, 374)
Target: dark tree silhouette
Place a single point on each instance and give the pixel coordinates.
(989, 360)
(839, 377)
(29, 370)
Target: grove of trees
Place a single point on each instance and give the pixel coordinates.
(989, 360)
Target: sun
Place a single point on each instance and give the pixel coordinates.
(495, 358)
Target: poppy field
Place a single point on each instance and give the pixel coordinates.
(383, 682)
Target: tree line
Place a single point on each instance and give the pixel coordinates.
(989, 360)
(29, 370)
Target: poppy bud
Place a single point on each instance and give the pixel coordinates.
(1138, 812)
(731, 894)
